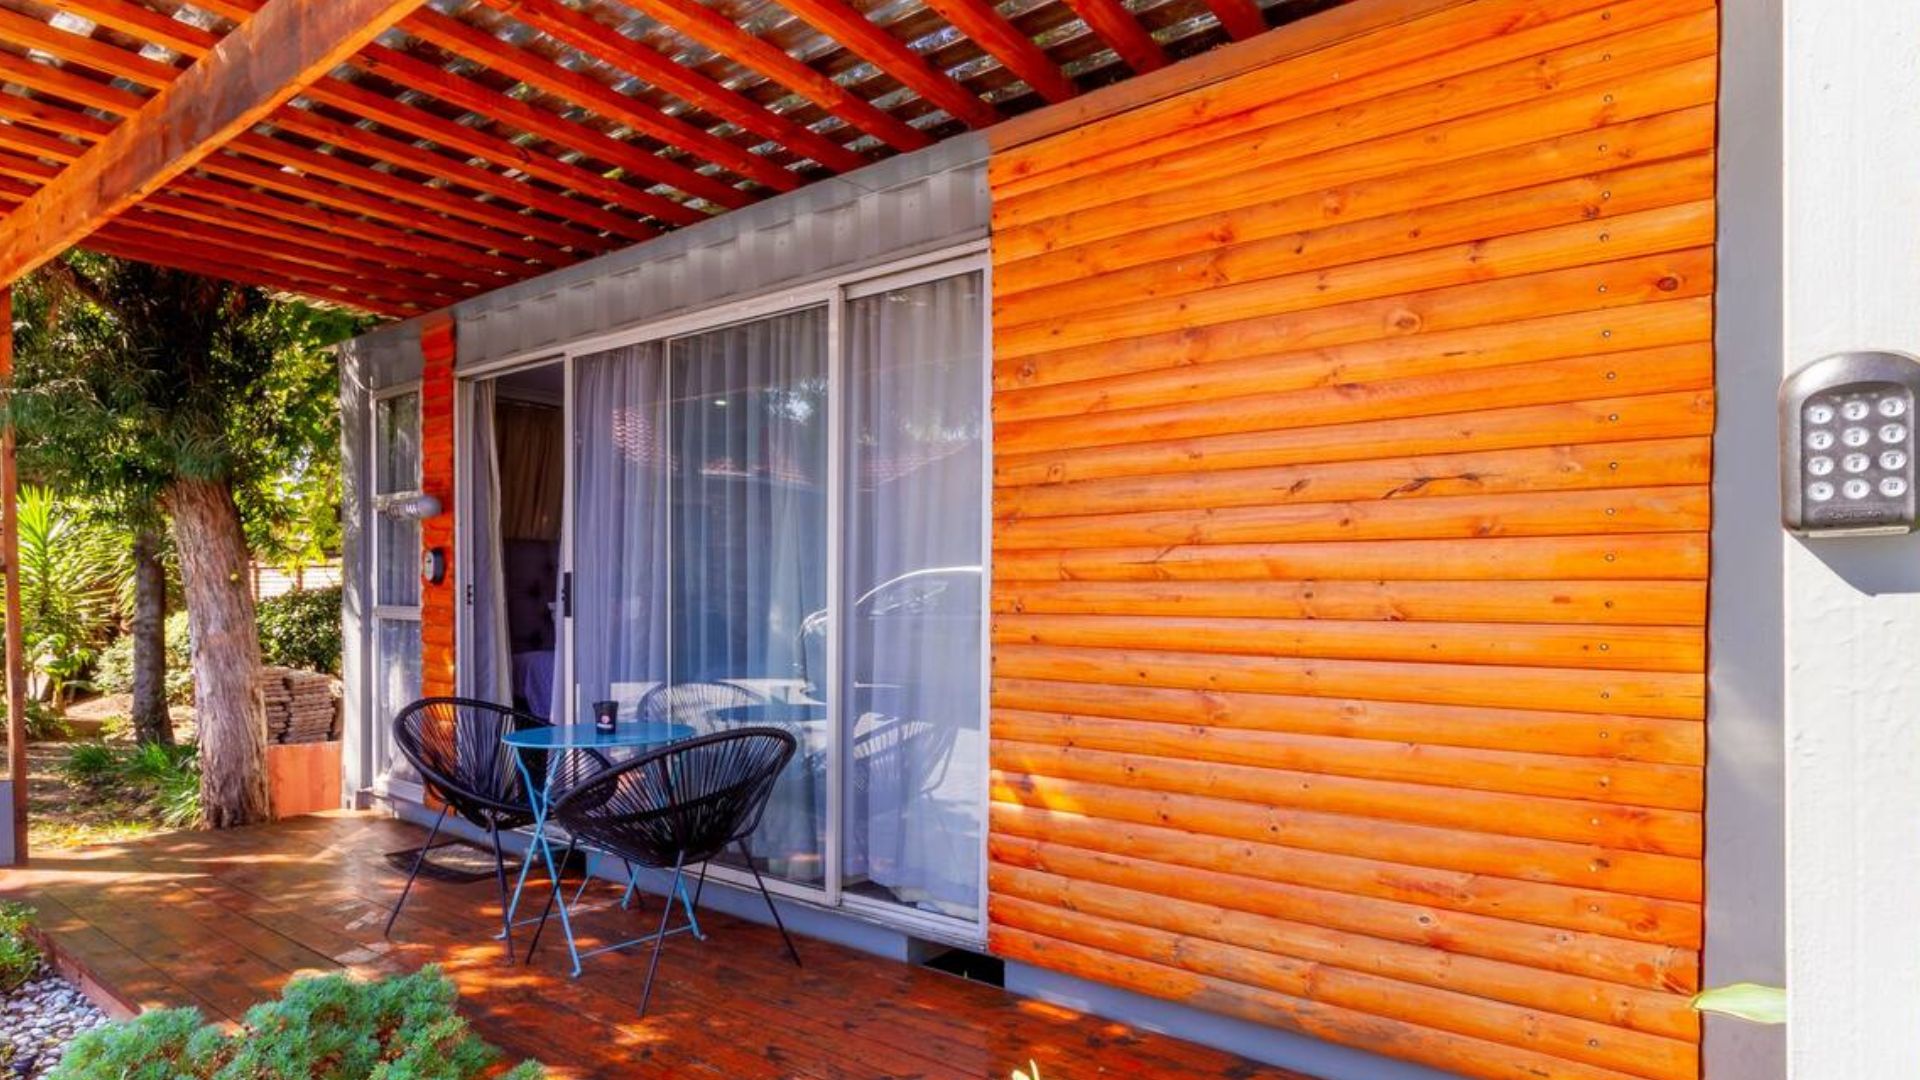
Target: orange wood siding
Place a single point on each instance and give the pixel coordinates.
(1352, 431)
(436, 479)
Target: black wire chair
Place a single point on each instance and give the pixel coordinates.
(455, 744)
(682, 804)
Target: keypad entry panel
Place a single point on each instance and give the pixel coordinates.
(1848, 445)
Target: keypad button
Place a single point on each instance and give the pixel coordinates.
(1856, 463)
(1821, 465)
(1856, 489)
(1820, 440)
(1819, 491)
(1893, 487)
(1855, 410)
(1893, 433)
(1892, 459)
(1820, 414)
(1856, 436)
(1892, 407)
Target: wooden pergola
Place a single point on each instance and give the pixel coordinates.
(399, 156)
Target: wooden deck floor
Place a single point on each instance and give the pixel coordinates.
(220, 920)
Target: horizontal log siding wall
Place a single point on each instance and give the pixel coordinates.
(437, 609)
(1350, 545)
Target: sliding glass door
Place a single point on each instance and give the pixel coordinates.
(778, 522)
(911, 705)
(748, 503)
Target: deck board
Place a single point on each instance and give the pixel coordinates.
(221, 920)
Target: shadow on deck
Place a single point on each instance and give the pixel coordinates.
(220, 920)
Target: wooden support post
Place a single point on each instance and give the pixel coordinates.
(10, 555)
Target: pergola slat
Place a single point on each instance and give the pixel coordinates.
(398, 248)
(1116, 26)
(144, 23)
(582, 32)
(89, 52)
(840, 21)
(195, 42)
(286, 154)
(109, 243)
(520, 233)
(272, 258)
(1242, 18)
(1016, 51)
(350, 97)
(352, 200)
(701, 24)
(416, 74)
(472, 150)
(605, 101)
(38, 172)
(260, 66)
(360, 141)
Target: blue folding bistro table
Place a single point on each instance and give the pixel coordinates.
(571, 739)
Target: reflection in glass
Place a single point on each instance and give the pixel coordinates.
(748, 505)
(397, 469)
(620, 529)
(912, 690)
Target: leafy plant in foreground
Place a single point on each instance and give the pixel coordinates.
(326, 1028)
(19, 956)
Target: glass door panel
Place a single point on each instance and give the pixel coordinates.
(912, 695)
(396, 573)
(620, 529)
(747, 499)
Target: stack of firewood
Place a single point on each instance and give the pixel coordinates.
(302, 706)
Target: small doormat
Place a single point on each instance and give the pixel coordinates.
(452, 860)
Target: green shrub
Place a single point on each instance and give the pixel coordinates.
(326, 1028)
(91, 764)
(44, 722)
(113, 673)
(167, 777)
(151, 764)
(19, 956)
(302, 630)
(178, 795)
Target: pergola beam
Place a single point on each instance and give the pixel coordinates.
(252, 72)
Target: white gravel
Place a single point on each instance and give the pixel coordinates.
(37, 1021)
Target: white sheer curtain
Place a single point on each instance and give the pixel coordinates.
(911, 693)
(749, 432)
(491, 677)
(620, 528)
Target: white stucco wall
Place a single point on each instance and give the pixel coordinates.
(1852, 607)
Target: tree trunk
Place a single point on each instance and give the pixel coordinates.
(226, 653)
(151, 721)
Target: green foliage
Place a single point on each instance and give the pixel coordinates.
(130, 376)
(1745, 1001)
(114, 672)
(326, 1028)
(19, 956)
(178, 797)
(44, 722)
(167, 778)
(91, 764)
(75, 581)
(302, 630)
